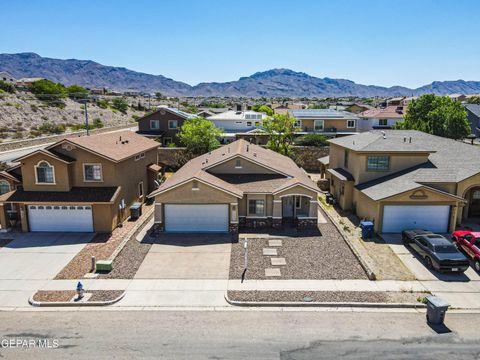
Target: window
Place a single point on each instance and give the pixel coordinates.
(4, 187)
(167, 141)
(92, 172)
(44, 173)
(318, 125)
(249, 123)
(238, 164)
(256, 207)
(140, 189)
(475, 195)
(382, 122)
(154, 124)
(378, 163)
(172, 124)
(297, 124)
(139, 156)
(350, 124)
(238, 122)
(298, 202)
(345, 159)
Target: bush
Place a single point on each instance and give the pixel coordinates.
(48, 90)
(102, 103)
(7, 87)
(120, 104)
(51, 128)
(77, 92)
(34, 107)
(312, 140)
(97, 123)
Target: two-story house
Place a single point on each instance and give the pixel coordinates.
(404, 179)
(239, 184)
(381, 118)
(81, 184)
(165, 123)
(324, 121)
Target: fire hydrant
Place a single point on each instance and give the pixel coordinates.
(80, 290)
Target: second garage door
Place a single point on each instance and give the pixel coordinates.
(196, 218)
(397, 218)
(66, 218)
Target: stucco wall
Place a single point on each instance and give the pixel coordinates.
(204, 195)
(247, 167)
(61, 174)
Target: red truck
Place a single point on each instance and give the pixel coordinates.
(469, 242)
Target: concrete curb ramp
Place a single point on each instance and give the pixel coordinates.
(70, 303)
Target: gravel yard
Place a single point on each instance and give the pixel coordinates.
(67, 295)
(324, 256)
(326, 296)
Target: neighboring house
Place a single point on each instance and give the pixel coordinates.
(205, 114)
(165, 123)
(27, 82)
(358, 108)
(82, 184)
(236, 184)
(233, 122)
(405, 179)
(324, 121)
(385, 118)
(457, 97)
(473, 115)
(5, 76)
(97, 91)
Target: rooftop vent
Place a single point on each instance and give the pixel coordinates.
(383, 134)
(247, 148)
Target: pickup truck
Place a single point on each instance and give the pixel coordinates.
(469, 243)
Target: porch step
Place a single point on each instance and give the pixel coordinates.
(275, 242)
(271, 272)
(278, 261)
(269, 252)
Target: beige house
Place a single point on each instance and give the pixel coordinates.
(239, 184)
(82, 184)
(405, 179)
(324, 121)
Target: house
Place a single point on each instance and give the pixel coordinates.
(357, 108)
(385, 118)
(236, 184)
(457, 97)
(27, 82)
(81, 184)
(324, 121)
(163, 123)
(233, 122)
(5, 76)
(404, 179)
(473, 116)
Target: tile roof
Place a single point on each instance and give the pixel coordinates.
(76, 194)
(390, 112)
(116, 146)
(198, 167)
(321, 114)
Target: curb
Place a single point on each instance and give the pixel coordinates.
(324, 304)
(74, 304)
(370, 273)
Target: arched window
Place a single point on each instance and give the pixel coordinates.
(44, 173)
(4, 187)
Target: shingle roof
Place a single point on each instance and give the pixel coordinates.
(76, 194)
(116, 146)
(341, 174)
(390, 112)
(199, 166)
(473, 108)
(255, 183)
(321, 114)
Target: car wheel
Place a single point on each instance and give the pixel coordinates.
(429, 263)
(476, 265)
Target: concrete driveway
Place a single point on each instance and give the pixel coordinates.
(32, 259)
(417, 266)
(180, 256)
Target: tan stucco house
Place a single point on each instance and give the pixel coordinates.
(324, 121)
(239, 184)
(404, 179)
(81, 184)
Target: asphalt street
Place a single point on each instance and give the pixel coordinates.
(237, 335)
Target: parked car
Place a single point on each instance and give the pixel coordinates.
(439, 253)
(409, 235)
(469, 243)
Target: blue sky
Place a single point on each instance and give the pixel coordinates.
(408, 42)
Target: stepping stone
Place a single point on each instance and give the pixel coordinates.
(275, 242)
(269, 252)
(272, 272)
(278, 261)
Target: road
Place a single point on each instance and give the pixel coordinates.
(239, 335)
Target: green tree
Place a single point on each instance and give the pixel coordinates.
(97, 123)
(312, 140)
(437, 115)
(281, 130)
(158, 95)
(474, 100)
(120, 104)
(5, 86)
(263, 108)
(77, 92)
(199, 136)
(48, 90)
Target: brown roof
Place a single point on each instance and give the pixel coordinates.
(50, 153)
(255, 183)
(116, 146)
(390, 112)
(155, 167)
(8, 176)
(76, 194)
(198, 168)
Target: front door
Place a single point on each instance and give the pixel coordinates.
(474, 208)
(287, 206)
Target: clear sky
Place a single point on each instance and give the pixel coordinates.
(408, 42)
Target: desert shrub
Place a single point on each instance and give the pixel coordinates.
(51, 128)
(312, 140)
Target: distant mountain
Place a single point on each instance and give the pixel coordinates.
(275, 82)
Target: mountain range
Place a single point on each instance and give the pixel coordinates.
(270, 83)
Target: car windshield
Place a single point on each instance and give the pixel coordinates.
(445, 248)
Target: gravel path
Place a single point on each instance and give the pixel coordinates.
(326, 296)
(326, 256)
(67, 295)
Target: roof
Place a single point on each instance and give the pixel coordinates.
(341, 174)
(9, 176)
(180, 113)
(155, 167)
(115, 146)
(235, 115)
(473, 108)
(76, 194)
(50, 153)
(324, 160)
(390, 112)
(321, 114)
(198, 168)
(255, 183)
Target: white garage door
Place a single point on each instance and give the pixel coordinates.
(397, 218)
(196, 218)
(66, 218)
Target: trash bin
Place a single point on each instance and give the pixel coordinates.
(436, 309)
(367, 229)
(135, 211)
(328, 198)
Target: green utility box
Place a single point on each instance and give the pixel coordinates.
(104, 265)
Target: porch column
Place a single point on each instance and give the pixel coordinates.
(23, 217)
(313, 211)
(277, 213)
(233, 228)
(4, 223)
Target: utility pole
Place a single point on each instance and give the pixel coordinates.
(86, 118)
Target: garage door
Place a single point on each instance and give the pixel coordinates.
(196, 218)
(397, 218)
(60, 218)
